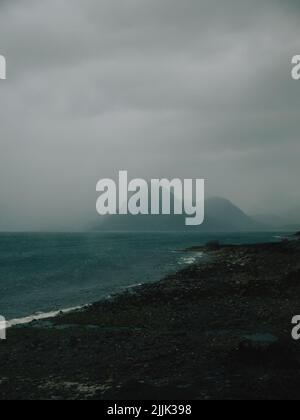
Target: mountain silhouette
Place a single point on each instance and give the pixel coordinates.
(221, 215)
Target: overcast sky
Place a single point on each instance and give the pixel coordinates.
(173, 88)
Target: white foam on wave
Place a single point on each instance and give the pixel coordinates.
(133, 286)
(41, 316)
(189, 260)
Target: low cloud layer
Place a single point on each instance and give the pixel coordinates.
(195, 88)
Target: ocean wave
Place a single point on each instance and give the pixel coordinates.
(41, 316)
(190, 259)
(133, 286)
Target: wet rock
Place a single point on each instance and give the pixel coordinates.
(265, 350)
(135, 390)
(213, 245)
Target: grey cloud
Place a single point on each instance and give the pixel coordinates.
(197, 88)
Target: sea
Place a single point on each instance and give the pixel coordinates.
(41, 274)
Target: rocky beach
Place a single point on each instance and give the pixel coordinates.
(215, 330)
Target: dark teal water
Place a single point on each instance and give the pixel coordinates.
(45, 272)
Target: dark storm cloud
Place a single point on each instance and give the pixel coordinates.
(196, 88)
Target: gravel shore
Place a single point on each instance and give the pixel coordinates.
(219, 330)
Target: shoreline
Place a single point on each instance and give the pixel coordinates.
(201, 252)
(214, 330)
(48, 315)
(43, 316)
